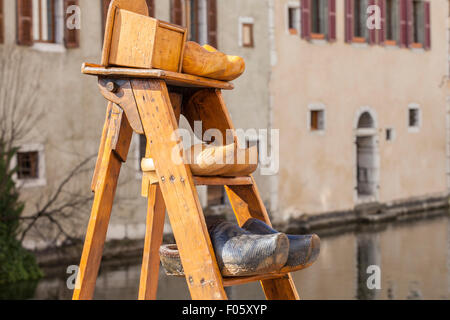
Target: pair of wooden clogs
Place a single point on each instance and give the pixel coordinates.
(254, 249)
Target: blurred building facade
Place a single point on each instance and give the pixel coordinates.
(361, 111)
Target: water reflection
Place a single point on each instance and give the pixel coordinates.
(414, 259)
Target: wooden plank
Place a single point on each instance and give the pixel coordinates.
(235, 281)
(186, 216)
(133, 40)
(156, 212)
(102, 146)
(169, 47)
(221, 181)
(101, 210)
(245, 200)
(149, 178)
(139, 41)
(137, 6)
(172, 78)
(208, 106)
(119, 91)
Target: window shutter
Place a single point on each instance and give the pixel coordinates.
(348, 20)
(409, 23)
(212, 23)
(372, 32)
(2, 27)
(382, 31)
(151, 7)
(24, 22)
(427, 18)
(306, 18)
(331, 20)
(71, 36)
(177, 12)
(403, 23)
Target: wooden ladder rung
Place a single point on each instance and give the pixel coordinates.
(235, 281)
(223, 181)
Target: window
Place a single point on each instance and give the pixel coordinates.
(366, 121)
(360, 33)
(318, 19)
(203, 21)
(216, 195)
(391, 32)
(414, 120)
(42, 21)
(142, 148)
(30, 164)
(2, 25)
(252, 142)
(246, 37)
(418, 25)
(27, 165)
(390, 134)
(176, 12)
(415, 24)
(316, 121)
(293, 19)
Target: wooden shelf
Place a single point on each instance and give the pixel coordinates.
(223, 181)
(172, 78)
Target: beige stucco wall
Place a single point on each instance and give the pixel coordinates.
(318, 171)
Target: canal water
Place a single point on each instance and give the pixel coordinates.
(413, 259)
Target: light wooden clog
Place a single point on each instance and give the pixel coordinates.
(207, 62)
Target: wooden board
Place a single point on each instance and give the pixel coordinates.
(105, 189)
(177, 185)
(156, 212)
(140, 41)
(172, 78)
(137, 6)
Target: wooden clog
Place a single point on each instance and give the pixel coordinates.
(303, 249)
(207, 62)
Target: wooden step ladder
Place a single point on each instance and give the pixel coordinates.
(150, 102)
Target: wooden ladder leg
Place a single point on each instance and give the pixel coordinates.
(177, 185)
(115, 145)
(153, 239)
(155, 224)
(247, 204)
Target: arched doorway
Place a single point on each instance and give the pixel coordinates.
(366, 157)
